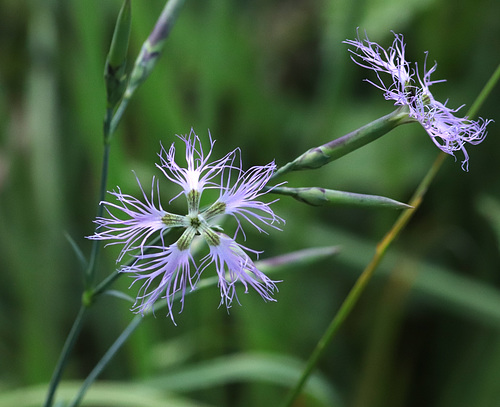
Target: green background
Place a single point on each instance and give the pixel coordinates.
(273, 78)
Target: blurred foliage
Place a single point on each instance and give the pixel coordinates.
(273, 78)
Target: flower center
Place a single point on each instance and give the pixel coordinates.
(195, 222)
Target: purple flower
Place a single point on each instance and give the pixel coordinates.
(239, 198)
(165, 270)
(143, 220)
(233, 264)
(408, 88)
(163, 273)
(199, 172)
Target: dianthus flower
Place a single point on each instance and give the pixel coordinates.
(408, 88)
(163, 269)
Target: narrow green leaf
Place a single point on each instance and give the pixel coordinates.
(114, 71)
(119, 44)
(82, 260)
(298, 258)
(444, 289)
(256, 367)
(119, 294)
(102, 394)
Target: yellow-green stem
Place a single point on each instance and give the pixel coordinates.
(363, 280)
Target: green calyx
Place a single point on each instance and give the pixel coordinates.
(426, 99)
(153, 46)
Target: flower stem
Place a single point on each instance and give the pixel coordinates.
(89, 281)
(111, 121)
(63, 358)
(118, 115)
(94, 254)
(94, 374)
(495, 77)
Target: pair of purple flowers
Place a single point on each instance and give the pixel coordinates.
(408, 88)
(164, 269)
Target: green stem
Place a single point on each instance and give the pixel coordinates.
(89, 279)
(120, 341)
(109, 128)
(94, 374)
(63, 359)
(495, 77)
(96, 245)
(111, 122)
(362, 281)
(118, 115)
(104, 284)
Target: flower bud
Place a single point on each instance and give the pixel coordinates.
(114, 71)
(152, 47)
(316, 157)
(324, 197)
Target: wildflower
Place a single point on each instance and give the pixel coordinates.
(408, 88)
(231, 256)
(163, 269)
